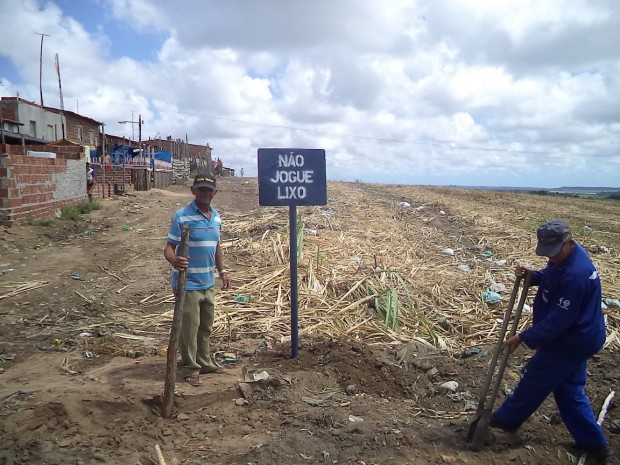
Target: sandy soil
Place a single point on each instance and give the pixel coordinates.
(66, 400)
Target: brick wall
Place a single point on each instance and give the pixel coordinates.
(33, 188)
(112, 182)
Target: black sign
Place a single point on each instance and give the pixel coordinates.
(291, 177)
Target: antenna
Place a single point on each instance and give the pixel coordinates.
(62, 104)
(41, 66)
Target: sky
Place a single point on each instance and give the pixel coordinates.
(519, 93)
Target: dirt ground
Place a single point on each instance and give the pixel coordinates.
(66, 398)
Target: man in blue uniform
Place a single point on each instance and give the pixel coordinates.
(204, 259)
(568, 329)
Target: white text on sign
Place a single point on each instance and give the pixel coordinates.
(284, 176)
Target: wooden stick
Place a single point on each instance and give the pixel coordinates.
(146, 298)
(160, 456)
(84, 297)
(122, 288)
(131, 266)
(171, 356)
(24, 288)
(111, 274)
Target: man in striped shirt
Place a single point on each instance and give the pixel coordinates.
(204, 259)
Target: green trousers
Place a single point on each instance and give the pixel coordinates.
(196, 328)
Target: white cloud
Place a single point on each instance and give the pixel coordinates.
(518, 92)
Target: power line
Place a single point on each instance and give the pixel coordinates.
(430, 142)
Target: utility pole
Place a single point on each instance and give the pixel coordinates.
(1, 128)
(62, 103)
(41, 66)
(132, 122)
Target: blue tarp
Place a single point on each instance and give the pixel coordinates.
(163, 155)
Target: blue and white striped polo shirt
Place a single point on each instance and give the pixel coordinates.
(204, 236)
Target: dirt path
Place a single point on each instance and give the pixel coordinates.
(70, 393)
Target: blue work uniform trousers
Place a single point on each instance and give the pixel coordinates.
(565, 377)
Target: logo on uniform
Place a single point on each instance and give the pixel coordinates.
(564, 303)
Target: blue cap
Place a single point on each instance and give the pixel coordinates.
(551, 237)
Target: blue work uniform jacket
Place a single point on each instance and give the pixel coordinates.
(568, 318)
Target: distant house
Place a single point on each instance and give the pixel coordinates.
(28, 122)
(79, 128)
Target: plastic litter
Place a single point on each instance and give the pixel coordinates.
(474, 351)
(127, 228)
(404, 204)
(264, 346)
(249, 376)
(612, 302)
(228, 357)
(448, 251)
(491, 297)
(497, 287)
(451, 386)
(243, 299)
(464, 268)
(526, 308)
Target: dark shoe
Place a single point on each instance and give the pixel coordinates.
(604, 455)
(493, 423)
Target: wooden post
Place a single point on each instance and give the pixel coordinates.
(171, 363)
(103, 152)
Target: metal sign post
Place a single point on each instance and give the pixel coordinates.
(291, 177)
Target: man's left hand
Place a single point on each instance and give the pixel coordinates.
(513, 342)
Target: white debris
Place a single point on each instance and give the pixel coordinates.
(451, 386)
(404, 204)
(498, 287)
(357, 261)
(448, 251)
(441, 212)
(465, 268)
(612, 302)
(500, 262)
(526, 308)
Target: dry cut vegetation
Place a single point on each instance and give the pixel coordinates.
(373, 264)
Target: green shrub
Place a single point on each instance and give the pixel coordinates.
(74, 212)
(45, 223)
(88, 207)
(70, 213)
